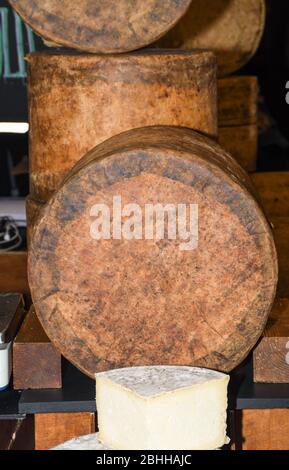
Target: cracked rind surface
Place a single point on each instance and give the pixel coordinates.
(78, 101)
(116, 303)
(103, 27)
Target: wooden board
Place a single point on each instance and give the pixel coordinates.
(13, 272)
(271, 356)
(237, 101)
(55, 428)
(36, 363)
(281, 235)
(17, 434)
(242, 143)
(79, 101)
(233, 29)
(273, 188)
(98, 26)
(265, 429)
(118, 302)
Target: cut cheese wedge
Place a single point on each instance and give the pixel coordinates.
(162, 408)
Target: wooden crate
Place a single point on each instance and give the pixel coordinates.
(36, 362)
(55, 428)
(264, 429)
(271, 355)
(13, 272)
(237, 116)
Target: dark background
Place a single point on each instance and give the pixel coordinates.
(270, 64)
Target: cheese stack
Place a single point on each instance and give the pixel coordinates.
(162, 408)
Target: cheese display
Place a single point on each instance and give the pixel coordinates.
(161, 408)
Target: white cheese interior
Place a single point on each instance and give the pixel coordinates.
(162, 408)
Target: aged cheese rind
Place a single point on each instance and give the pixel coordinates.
(162, 408)
(231, 28)
(97, 97)
(208, 306)
(101, 26)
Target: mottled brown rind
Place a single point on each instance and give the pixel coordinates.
(101, 27)
(33, 208)
(231, 28)
(108, 304)
(77, 102)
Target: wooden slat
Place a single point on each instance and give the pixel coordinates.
(36, 362)
(17, 434)
(271, 356)
(265, 429)
(13, 272)
(237, 101)
(281, 235)
(273, 189)
(241, 142)
(53, 429)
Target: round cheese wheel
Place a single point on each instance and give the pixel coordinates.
(101, 26)
(112, 288)
(79, 101)
(231, 28)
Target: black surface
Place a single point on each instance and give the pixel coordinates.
(78, 394)
(245, 394)
(9, 405)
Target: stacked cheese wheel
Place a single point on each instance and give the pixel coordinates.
(118, 298)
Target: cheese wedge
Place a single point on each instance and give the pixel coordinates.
(162, 408)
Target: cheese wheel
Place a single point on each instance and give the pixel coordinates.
(162, 408)
(99, 26)
(231, 28)
(134, 292)
(33, 208)
(79, 101)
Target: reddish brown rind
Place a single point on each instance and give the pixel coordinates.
(115, 303)
(77, 102)
(233, 29)
(33, 208)
(102, 27)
